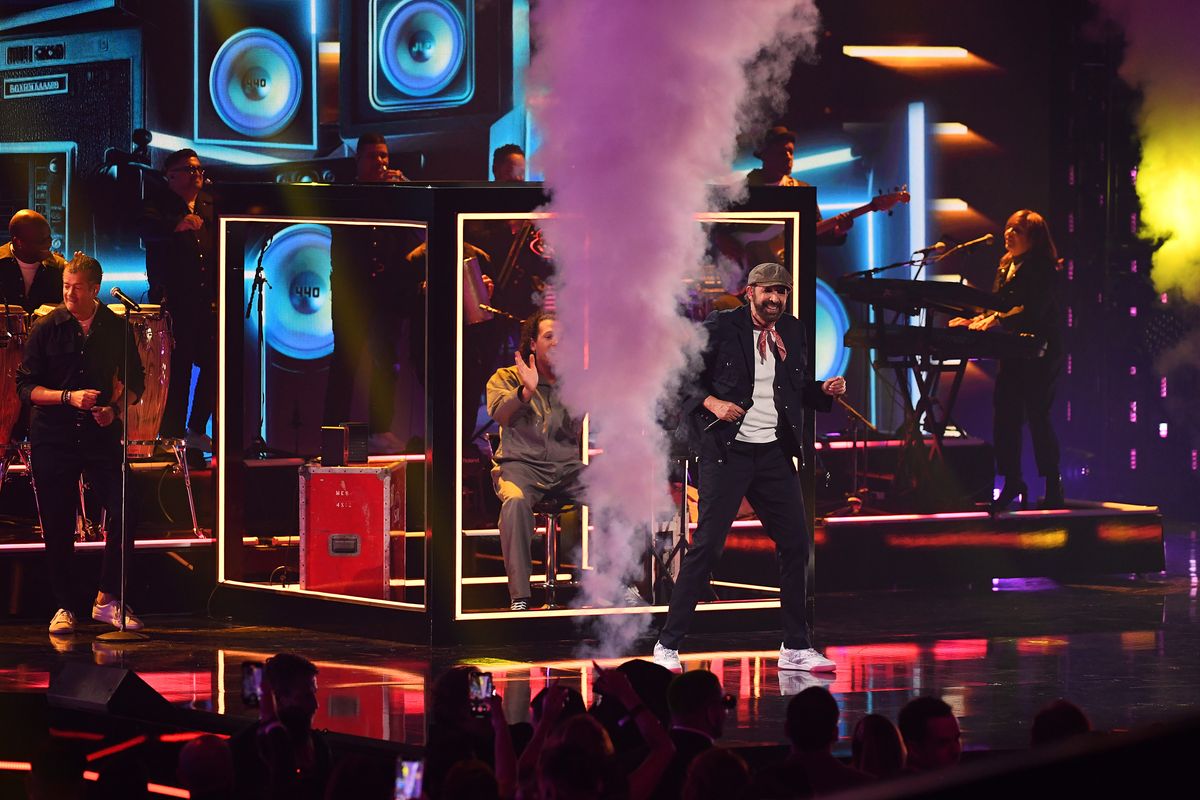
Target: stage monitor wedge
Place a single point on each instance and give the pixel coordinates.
(254, 71)
(410, 67)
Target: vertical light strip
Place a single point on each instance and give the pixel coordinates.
(220, 681)
(916, 178)
(222, 530)
(917, 191)
(458, 412)
(312, 27)
(872, 262)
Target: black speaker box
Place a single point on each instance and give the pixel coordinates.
(106, 690)
(254, 73)
(412, 67)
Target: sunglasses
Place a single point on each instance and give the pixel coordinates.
(189, 170)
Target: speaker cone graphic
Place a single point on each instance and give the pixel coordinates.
(256, 82)
(832, 322)
(422, 45)
(297, 308)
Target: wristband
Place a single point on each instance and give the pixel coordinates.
(65, 398)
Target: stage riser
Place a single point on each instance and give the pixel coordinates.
(930, 551)
(160, 581)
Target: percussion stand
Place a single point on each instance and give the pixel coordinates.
(123, 635)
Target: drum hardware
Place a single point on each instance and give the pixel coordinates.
(178, 448)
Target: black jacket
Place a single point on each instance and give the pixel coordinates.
(1035, 287)
(58, 356)
(46, 288)
(728, 374)
(181, 267)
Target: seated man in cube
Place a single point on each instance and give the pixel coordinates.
(539, 451)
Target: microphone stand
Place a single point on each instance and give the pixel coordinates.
(259, 449)
(123, 635)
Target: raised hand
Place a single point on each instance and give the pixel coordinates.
(528, 372)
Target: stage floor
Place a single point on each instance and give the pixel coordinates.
(1123, 648)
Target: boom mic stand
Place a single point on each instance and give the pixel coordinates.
(259, 449)
(123, 635)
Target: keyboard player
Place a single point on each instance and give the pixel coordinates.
(1024, 391)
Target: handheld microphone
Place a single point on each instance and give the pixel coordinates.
(125, 299)
(933, 248)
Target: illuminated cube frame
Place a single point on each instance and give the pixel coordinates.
(443, 209)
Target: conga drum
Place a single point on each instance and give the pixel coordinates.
(151, 328)
(13, 320)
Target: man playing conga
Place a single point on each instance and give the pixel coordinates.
(73, 375)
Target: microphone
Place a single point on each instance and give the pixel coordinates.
(933, 248)
(986, 239)
(125, 299)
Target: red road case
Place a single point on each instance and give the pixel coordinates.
(347, 516)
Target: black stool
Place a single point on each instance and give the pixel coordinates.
(550, 508)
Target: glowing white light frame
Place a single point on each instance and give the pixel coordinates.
(222, 443)
(776, 217)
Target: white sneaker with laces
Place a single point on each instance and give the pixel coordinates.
(110, 612)
(63, 622)
(808, 660)
(666, 657)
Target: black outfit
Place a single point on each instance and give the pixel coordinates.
(1024, 390)
(762, 473)
(688, 745)
(373, 288)
(67, 442)
(46, 288)
(255, 747)
(181, 267)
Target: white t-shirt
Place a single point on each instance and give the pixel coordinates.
(28, 271)
(760, 423)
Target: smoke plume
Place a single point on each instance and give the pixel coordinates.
(1162, 59)
(640, 105)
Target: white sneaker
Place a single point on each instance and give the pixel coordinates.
(666, 657)
(110, 612)
(808, 660)
(63, 623)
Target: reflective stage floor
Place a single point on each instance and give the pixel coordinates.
(1123, 648)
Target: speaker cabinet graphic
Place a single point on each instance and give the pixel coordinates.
(415, 66)
(84, 88)
(255, 73)
(38, 175)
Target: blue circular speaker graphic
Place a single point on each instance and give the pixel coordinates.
(255, 82)
(422, 44)
(832, 322)
(297, 307)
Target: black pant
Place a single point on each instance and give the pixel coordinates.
(56, 470)
(195, 342)
(765, 475)
(1024, 392)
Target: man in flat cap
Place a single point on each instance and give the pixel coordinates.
(748, 408)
